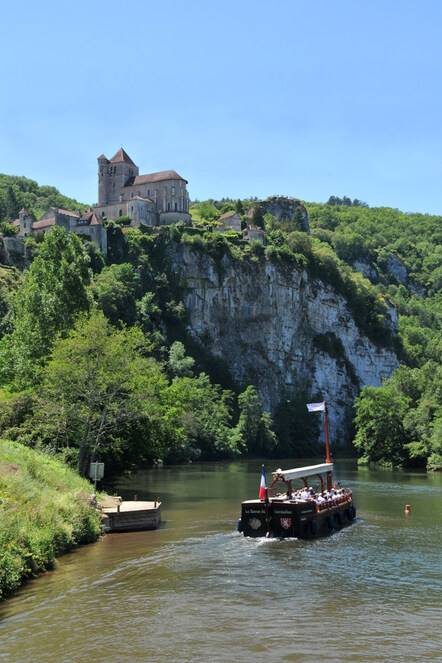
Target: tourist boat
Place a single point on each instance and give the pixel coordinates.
(300, 514)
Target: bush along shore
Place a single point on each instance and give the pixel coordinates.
(44, 513)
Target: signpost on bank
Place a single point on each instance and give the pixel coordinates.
(96, 472)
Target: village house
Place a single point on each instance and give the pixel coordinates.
(87, 224)
(253, 232)
(229, 221)
(155, 199)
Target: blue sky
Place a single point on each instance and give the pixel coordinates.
(302, 99)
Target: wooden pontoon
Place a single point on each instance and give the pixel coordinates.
(131, 516)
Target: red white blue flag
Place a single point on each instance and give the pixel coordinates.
(316, 407)
(263, 486)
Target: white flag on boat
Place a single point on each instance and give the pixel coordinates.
(316, 407)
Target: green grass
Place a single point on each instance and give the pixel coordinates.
(43, 513)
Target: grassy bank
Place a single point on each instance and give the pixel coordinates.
(43, 513)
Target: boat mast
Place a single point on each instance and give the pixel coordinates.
(327, 447)
(327, 443)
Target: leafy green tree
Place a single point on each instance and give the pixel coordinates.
(113, 386)
(180, 366)
(239, 207)
(8, 230)
(11, 205)
(380, 433)
(254, 425)
(258, 216)
(52, 294)
(148, 313)
(207, 210)
(206, 417)
(115, 290)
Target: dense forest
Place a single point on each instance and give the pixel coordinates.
(143, 390)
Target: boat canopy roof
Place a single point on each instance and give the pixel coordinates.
(300, 472)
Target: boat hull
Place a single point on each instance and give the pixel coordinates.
(301, 520)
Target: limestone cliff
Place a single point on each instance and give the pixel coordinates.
(264, 322)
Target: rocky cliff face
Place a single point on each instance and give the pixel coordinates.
(263, 321)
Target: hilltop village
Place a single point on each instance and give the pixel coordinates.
(155, 199)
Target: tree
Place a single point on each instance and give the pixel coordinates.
(258, 216)
(206, 417)
(52, 294)
(207, 210)
(254, 425)
(239, 207)
(180, 366)
(380, 434)
(115, 290)
(112, 387)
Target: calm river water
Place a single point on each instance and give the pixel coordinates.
(195, 590)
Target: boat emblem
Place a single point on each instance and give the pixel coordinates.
(286, 523)
(254, 523)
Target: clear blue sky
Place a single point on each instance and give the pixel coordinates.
(241, 98)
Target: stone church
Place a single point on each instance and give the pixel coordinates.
(155, 199)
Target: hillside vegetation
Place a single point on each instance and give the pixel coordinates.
(43, 513)
(17, 192)
(144, 390)
(401, 422)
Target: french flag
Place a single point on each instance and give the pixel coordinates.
(263, 486)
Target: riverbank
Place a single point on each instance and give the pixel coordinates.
(43, 513)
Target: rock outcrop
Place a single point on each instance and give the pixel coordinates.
(287, 209)
(264, 321)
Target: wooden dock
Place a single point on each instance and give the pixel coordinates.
(131, 516)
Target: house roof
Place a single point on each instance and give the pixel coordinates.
(44, 223)
(121, 155)
(23, 211)
(155, 177)
(16, 222)
(57, 210)
(229, 215)
(89, 218)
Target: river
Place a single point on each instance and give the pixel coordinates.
(195, 590)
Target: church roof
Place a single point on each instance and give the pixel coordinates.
(156, 177)
(121, 155)
(23, 211)
(103, 157)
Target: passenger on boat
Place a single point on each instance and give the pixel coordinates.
(320, 499)
(305, 494)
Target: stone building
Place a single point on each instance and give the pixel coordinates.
(154, 199)
(87, 224)
(254, 232)
(229, 221)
